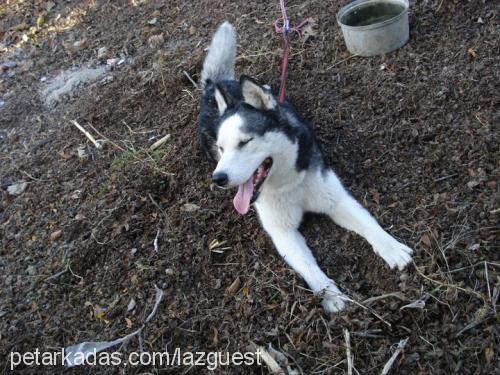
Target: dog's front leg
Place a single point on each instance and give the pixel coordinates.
(293, 248)
(348, 213)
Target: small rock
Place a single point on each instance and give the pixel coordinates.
(155, 41)
(56, 235)
(131, 305)
(169, 271)
(474, 247)
(133, 251)
(102, 53)
(31, 270)
(49, 5)
(17, 189)
(472, 184)
(82, 152)
(152, 21)
(112, 62)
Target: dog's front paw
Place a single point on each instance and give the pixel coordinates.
(393, 252)
(333, 300)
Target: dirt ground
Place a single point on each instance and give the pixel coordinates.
(413, 134)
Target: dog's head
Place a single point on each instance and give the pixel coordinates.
(255, 142)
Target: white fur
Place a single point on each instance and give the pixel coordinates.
(281, 213)
(288, 194)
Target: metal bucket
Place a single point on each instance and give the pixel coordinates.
(374, 27)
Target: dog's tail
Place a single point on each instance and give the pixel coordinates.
(219, 63)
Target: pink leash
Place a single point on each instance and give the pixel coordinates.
(282, 26)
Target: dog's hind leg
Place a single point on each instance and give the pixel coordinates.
(349, 214)
(294, 250)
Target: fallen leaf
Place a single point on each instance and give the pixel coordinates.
(233, 288)
(63, 155)
(81, 44)
(189, 207)
(80, 217)
(246, 290)
(192, 30)
(472, 52)
(426, 240)
(492, 185)
(215, 244)
(56, 235)
(489, 353)
(21, 27)
(129, 322)
(365, 202)
(376, 197)
(216, 336)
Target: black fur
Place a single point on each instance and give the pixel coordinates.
(283, 119)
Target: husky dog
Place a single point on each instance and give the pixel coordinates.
(271, 154)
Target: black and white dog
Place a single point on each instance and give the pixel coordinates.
(271, 154)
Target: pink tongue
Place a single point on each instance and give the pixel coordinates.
(242, 198)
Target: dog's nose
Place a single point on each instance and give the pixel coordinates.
(220, 179)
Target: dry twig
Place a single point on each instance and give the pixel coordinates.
(347, 337)
(87, 134)
(391, 360)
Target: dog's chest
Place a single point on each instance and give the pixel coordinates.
(281, 210)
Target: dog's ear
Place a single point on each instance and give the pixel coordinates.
(221, 100)
(257, 96)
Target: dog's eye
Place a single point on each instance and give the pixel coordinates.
(243, 143)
